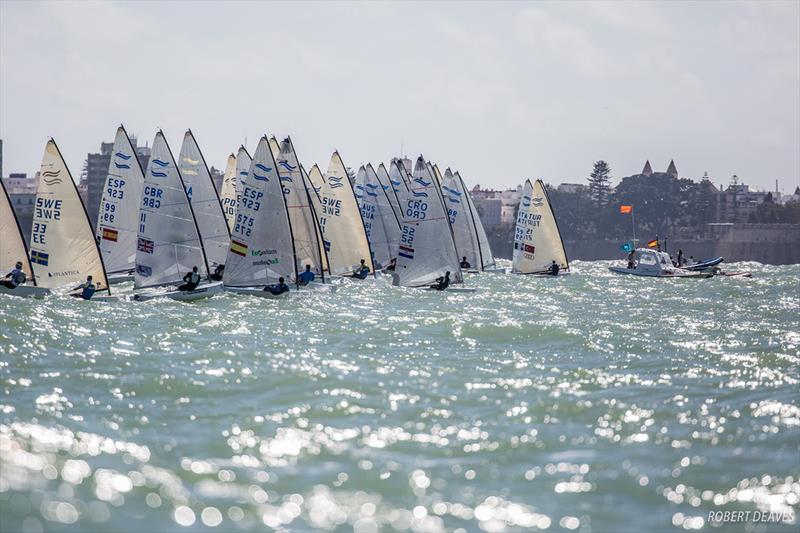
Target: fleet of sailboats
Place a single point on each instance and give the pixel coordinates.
(169, 230)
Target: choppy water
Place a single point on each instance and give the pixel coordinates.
(593, 402)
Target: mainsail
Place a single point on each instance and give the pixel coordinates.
(380, 222)
(12, 244)
(205, 202)
(302, 216)
(313, 181)
(228, 194)
(316, 179)
(427, 249)
(63, 247)
(386, 183)
(537, 241)
(464, 231)
(262, 248)
(275, 147)
(118, 218)
(487, 257)
(243, 161)
(343, 230)
(169, 243)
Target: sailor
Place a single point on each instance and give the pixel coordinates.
(681, 260)
(278, 288)
(218, 271)
(691, 260)
(15, 278)
(464, 263)
(192, 280)
(87, 289)
(305, 277)
(362, 271)
(442, 283)
(553, 269)
(392, 265)
(630, 260)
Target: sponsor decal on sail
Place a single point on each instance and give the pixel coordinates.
(145, 245)
(144, 271)
(327, 245)
(526, 201)
(239, 248)
(110, 234)
(40, 258)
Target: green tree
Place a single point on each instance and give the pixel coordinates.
(600, 183)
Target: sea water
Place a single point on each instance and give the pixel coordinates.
(591, 402)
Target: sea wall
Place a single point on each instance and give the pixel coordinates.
(776, 244)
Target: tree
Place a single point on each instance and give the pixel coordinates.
(599, 183)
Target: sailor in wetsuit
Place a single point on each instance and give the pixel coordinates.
(15, 278)
(392, 265)
(218, 272)
(362, 271)
(553, 269)
(464, 263)
(192, 280)
(306, 276)
(278, 288)
(442, 283)
(87, 289)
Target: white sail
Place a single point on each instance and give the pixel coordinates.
(537, 241)
(118, 218)
(426, 249)
(386, 182)
(464, 231)
(228, 194)
(205, 202)
(275, 147)
(63, 247)
(314, 181)
(380, 222)
(243, 161)
(168, 244)
(487, 257)
(438, 174)
(261, 243)
(343, 230)
(12, 244)
(303, 218)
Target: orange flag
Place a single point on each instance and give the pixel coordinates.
(624, 209)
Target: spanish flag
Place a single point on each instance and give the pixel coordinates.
(625, 209)
(239, 248)
(653, 243)
(110, 234)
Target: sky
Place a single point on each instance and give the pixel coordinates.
(500, 91)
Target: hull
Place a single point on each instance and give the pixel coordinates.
(454, 289)
(560, 274)
(495, 270)
(676, 275)
(25, 291)
(119, 277)
(203, 291)
(704, 265)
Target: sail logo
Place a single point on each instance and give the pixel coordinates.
(451, 191)
(419, 194)
(158, 174)
(335, 182)
(145, 245)
(537, 202)
(263, 167)
(395, 183)
(454, 200)
(62, 274)
(51, 178)
(423, 182)
(373, 194)
(243, 173)
(122, 156)
(259, 177)
(285, 164)
(121, 165)
(287, 178)
(191, 161)
(160, 163)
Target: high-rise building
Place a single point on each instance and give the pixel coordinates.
(95, 171)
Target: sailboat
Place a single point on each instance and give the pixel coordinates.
(243, 161)
(169, 243)
(343, 232)
(427, 250)
(262, 245)
(227, 194)
(388, 185)
(470, 237)
(303, 217)
(380, 221)
(63, 248)
(205, 202)
(14, 250)
(314, 180)
(537, 241)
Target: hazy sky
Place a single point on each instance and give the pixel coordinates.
(501, 91)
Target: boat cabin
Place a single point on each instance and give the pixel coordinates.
(649, 261)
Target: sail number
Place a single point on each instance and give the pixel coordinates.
(451, 213)
(416, 209)
(108, 211)
(408, 235)
(114, 190)
(152, 197)
(251, 199)
(331, 206)
(244, 225)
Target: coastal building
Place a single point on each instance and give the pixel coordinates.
(22, 193)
